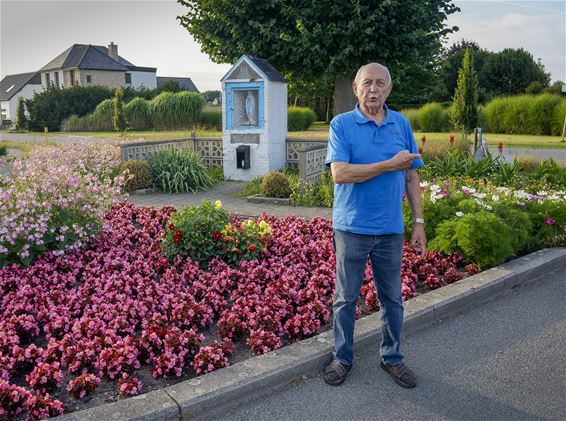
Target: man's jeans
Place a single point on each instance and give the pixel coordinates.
(385, 252)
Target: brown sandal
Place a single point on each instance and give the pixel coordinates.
(401, 374)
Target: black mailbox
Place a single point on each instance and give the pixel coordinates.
(243, 157)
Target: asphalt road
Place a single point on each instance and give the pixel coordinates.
(505, 360)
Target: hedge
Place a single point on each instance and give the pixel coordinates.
(300, 118)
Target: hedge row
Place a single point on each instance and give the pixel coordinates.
(525, 114)
(167, 111)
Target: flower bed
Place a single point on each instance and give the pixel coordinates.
(76, 324)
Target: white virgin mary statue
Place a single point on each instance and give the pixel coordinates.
(251, 109)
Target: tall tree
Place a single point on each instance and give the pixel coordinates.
(119, 118)
(464, 110)
(452, 62)
(511, 71)
(329, 39)
(21, 118)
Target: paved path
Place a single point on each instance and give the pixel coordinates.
(504, 360)
(59, 139)
(539, 153)
(226, 192)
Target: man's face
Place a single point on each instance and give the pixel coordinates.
(372, 89)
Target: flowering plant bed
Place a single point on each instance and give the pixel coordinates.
(119, 318)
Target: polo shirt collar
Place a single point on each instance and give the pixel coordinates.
(360, 118)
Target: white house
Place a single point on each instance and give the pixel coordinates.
(13, 87)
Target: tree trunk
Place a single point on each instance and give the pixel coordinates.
(344, 99)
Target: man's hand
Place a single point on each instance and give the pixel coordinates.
(403, 160)
(418, 238)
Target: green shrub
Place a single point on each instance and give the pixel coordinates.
(540, 116)
(138, 114)
(300, 118)
(433, 117)
(102, 117)
(180, 170)
(495, 112)
(3, 150)
(558, 118)
(525, 114)
(211, 118)
(49, 107)
(482, 117)
(176, 111)
(216, 173)
(118, 118)
(482, 238)
(194, 231)
(275, 184)
(252, 187)
(21, 118)
(140, 175)
(412, 115)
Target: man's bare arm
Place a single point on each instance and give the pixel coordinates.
(413, 189)
(345, 173)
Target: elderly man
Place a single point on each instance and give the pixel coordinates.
(373, 158)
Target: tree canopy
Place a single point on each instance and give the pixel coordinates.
(328, 39)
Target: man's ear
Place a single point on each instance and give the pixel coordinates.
(354, 90)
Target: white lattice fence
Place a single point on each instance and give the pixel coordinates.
(295, 146)
(311, 163)
(210, 149)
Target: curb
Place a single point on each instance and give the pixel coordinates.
(208, 395)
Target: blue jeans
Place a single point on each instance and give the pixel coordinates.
(385, 253)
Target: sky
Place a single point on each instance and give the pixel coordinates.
(147, 33)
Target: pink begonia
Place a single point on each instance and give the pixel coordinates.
(120, 304)
(549, 221)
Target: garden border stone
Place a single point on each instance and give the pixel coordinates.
(256, 198)
(208, 395)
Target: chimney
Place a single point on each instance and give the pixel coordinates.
(113, 51)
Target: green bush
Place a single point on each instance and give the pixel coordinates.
(140, 175)
(482, 117)
(275, 184)
(526, 114)
(541, 112)
(412, 115)
(194, 231)
(102, 117)
(211, 118)
(558, 118)
(180, 170)
(138, 114)
(48, 108)
(300, 118)
(176, 111)
(433, 117)
(495, 112)
(3, 150)
(482, 237)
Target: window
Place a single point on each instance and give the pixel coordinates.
(72, 78)
(128, 78)
(88, 78)
(10, 88)
(57, 79)
(47, 79)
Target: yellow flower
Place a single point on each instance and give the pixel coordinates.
(263, 224)
(218, 204)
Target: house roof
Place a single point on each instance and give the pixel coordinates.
(12, 84)
(184, 82)
(262, 65)
(92, 57)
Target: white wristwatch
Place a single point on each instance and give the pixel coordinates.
(418, 221)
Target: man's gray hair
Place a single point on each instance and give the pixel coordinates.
(361, 69)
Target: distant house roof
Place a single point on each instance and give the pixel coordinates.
(142, 69)
(91, 57)
(184, 82)
(12, 84)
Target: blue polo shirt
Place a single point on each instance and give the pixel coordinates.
(375, 205)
